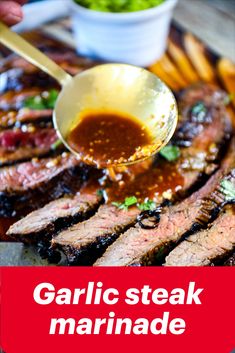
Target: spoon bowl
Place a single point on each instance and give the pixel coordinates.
(119, 88)
(123, 89)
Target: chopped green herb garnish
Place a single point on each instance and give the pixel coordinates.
(229, 98)
(35, 103)
(100, 192)
(199, 110)
(117, 204)
(56, 144)
(51, 98)
(119, 5)
(42, 101)
(147, 205)
(129, 201)
(170, 153)
(228, 189)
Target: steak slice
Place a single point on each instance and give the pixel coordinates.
(207, 246)
(201, 137)
(140, 246)
(58, 214)
(30, 185)
(17, 145)
(83, 243)
(24, 115)
(67, 59)
(15, 79)
(12, 100)
(230, 261)
(22, 75)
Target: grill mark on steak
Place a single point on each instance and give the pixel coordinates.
(30, 185)
(230, 261)
(213, 203)
(207, 246)
(139, 246)
(57, 215)
(85, 242)
(17, 145)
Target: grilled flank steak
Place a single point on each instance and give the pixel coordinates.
(30, 185)
(202, 135)
(200, 158)
(85, 242)
(139, 246)
(209, 245)
(14, 118)
(58, 214)
(19, 145)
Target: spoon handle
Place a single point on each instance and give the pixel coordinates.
(19, 45)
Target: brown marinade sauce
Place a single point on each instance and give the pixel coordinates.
(151, 183)
(106, 137)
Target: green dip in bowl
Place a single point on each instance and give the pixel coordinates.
(119, 5)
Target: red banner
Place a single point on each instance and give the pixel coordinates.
(111, 309)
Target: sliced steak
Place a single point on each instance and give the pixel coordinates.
(230, 261)
(15, 79)
(202, 135)
(85, 242)
(57, 215)
(140, 246)
(207, 246)
(68, 60)
(24, 115)
(197, 160)
(17, 145)
(30, 185)
(198, 105)
(12, 100)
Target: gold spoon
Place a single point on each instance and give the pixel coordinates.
(112, 87)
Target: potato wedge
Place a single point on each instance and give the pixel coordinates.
(158, 70)
(196, 52)
(173, 71)
(226, 71)
(182, 62)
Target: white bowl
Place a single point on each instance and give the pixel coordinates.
(137, 38)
